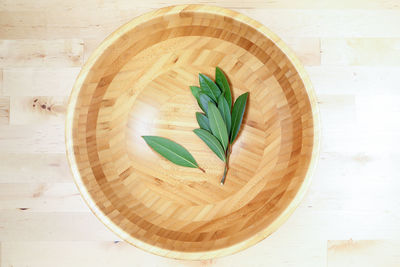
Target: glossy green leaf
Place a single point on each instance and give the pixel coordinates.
(203, 102)
(209, 87)
(225, 112)
(195, 91)
(237, 115)
(171, 151)
(217, 125)
(203, 122)
(211, 142)
(222, 82)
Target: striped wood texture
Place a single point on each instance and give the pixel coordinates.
(137, 83)
(349, 49)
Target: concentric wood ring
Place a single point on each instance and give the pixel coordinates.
(137, 83)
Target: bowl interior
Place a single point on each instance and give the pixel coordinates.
(138, 84)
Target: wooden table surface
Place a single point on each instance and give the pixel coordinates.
(351, 213)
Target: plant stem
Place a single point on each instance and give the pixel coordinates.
(228, 150)
(225, 171)
(201, 169)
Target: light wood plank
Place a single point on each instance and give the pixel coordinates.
(298, 252)
(381, 110)
(104, 253)
(32, 138)
(329, 23)
(359, 187)
(66, 254)
(36, 110)
(372, 174)
(52, 226)
(1, 81)
(339, 110)
(34, 168)
(41, 197)
(307, 49)
(64, 24)
(88, 253)
(4, 110)
(9, 5)
(38, 81)
(98, 23)
(41, 53)
(349, 128)
(90, 46)
(354, 193)
(363, 253)
(337, 224)
(362, 80)
(361, 51)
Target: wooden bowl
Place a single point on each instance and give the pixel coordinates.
(137, 83)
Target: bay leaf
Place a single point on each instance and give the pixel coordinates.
(217, 125)
(195, 91)
(203, 102)
(237, 115)
(209, 87)
(203, 122)
(225, 112)
(211, 142)
(171, 151)
(223, 84)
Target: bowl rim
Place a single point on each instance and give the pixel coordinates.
(200, 255)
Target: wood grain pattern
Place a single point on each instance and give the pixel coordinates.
(98, 23)
(51, 53)
(136, 83)
(39, 81)
(348, 253)
(361, 51)
(356, 180)
(61, 226)
(25, 138)
(120, 254)
(37, 168)
(37, 110)
(41, 197)
(4, 109)
(23, 5)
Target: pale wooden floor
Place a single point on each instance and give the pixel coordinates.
(351, 214)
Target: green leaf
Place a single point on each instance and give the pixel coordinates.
(237, 115)
(225, 112)
(195, 91)
(217, 125)
(171, 151)
(209, 87)
(203, 102)
(222, 82)
(211, 142)
(203, 122)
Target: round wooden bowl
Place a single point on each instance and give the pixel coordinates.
(137, 83)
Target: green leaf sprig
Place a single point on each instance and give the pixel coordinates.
(220, 123)
(172, 151)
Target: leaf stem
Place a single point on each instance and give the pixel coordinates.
(201, 169)
(224, 176)
(228, 151)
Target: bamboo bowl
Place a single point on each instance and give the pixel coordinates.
(137, 83)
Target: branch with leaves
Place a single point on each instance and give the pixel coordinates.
(219, 124)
